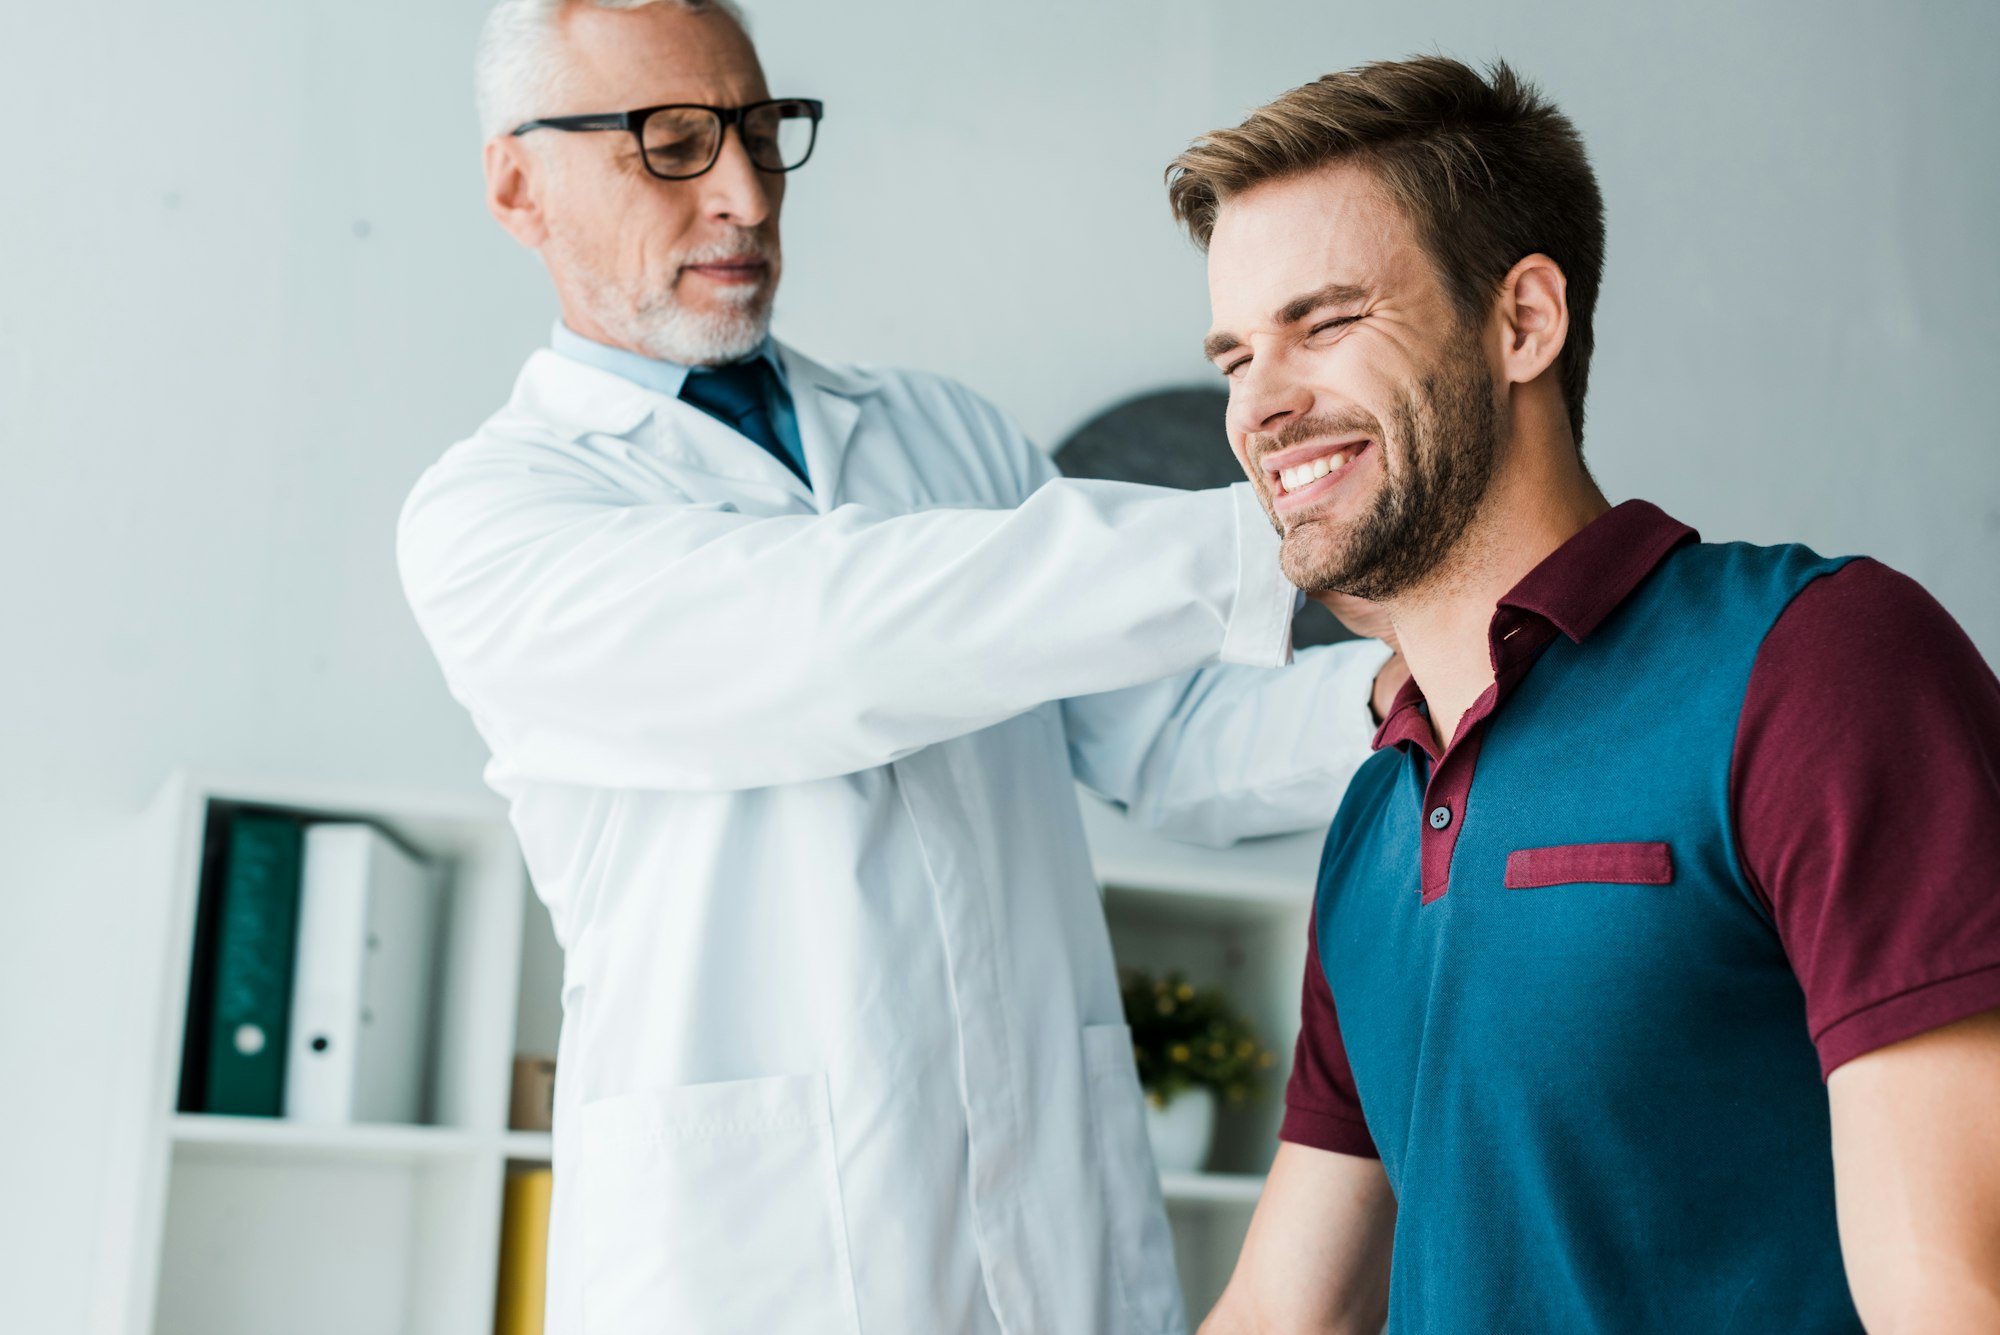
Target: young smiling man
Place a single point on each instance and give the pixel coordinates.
(1656, 951)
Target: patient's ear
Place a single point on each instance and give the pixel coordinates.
(1533, 307)
(513, 194)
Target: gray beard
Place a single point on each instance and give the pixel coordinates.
(657, 324)
(666, 330)
(1447, 440)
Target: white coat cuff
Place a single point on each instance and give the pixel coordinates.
(1260, 623)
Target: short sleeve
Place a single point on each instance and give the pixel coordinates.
(1322, 1109)
(1866, 793)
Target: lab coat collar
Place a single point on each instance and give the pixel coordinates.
(827, 402)
(578, 400)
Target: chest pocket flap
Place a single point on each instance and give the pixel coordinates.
(1590, 864)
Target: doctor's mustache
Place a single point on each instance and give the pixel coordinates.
(739, 243)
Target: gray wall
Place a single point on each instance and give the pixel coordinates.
(249, 290)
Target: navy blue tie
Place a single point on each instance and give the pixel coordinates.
(739, 395)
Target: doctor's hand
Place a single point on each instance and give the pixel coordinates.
(1371, 621)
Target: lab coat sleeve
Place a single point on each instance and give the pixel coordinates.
(603, 641)
(1228, 752)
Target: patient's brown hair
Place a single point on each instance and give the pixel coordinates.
(1486, 168)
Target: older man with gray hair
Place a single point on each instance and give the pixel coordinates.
(787, 670)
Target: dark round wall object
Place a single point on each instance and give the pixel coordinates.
(1174, 438)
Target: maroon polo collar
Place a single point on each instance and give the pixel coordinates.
(1570, 593)
(1580, 582)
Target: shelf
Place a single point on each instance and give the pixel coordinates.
(528, 1146)
(270, 1136)
(1212, 1188)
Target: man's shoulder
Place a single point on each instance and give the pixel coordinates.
(558, 409)
(1717, 572)
(1837, 605)
(1863, 620)
(923, 407)
(1710, 599)
(1811, 626)
(547, 430)
(513, 439)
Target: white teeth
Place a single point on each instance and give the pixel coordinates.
(1296, 479)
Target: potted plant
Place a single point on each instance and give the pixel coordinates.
(1193, 1045)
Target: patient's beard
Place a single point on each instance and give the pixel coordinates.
(1447, 443)
(654, 321)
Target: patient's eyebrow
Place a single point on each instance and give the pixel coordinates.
(1333, 294)
(1293, 311)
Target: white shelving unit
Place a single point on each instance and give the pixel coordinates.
(247, 1226)
(233, 1225)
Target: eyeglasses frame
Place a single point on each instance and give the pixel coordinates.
(635, 123)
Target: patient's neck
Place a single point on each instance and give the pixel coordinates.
(1442, 625)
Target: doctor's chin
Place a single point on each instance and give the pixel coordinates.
(732, 667)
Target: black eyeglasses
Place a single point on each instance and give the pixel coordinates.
(682, 140)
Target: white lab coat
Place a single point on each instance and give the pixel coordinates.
(842, 1048)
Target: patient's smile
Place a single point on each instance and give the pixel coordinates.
(1302, 475)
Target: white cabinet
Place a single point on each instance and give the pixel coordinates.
(251, 1226)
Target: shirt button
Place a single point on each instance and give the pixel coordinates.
(1440, 817)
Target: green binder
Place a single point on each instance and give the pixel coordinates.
(256, 941)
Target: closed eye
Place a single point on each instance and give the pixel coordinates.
(1230, 369)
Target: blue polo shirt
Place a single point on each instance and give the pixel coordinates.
(1577, 978)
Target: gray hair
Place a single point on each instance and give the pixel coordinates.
(520, 67)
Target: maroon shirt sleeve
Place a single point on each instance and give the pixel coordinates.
(1321, 1107)
(1866, 787)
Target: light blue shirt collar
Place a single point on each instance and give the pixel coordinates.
(663, 377)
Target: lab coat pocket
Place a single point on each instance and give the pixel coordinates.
(714, 1209)
(1142, 1249)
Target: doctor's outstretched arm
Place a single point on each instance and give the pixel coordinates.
(604, 641)
(1230, 752)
